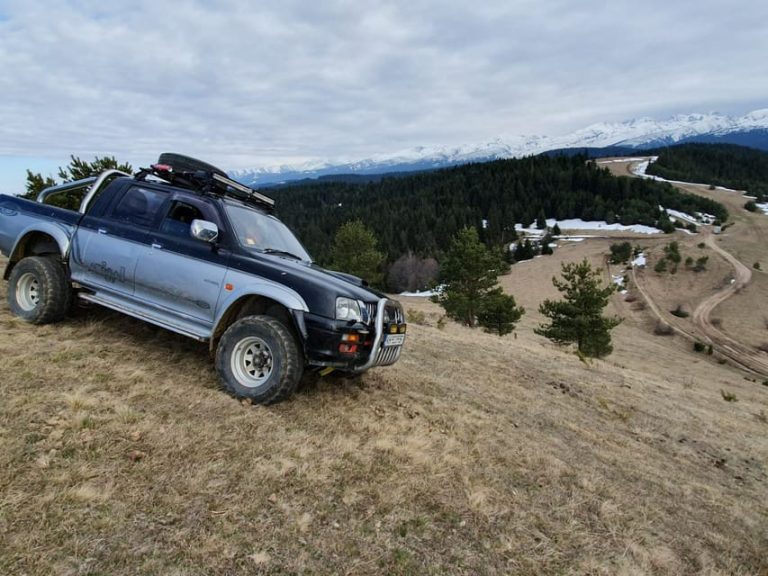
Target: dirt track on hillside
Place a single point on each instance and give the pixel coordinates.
(739, 353)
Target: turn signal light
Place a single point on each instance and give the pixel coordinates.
(350, 337)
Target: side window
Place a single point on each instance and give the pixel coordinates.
(139, 206)
(179, 218)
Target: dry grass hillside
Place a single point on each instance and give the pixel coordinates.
(473, 455)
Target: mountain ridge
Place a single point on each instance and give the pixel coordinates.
(750, 129)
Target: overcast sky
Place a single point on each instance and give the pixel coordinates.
(245, 84)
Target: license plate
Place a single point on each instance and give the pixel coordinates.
(394, 340)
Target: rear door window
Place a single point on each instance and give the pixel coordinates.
(139, 206)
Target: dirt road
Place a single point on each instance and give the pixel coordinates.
(739, 353)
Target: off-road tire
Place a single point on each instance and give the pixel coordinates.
(181, 163)
(261, 336)
(39, 291)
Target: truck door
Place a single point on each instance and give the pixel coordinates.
(179, 273)
(106, 248)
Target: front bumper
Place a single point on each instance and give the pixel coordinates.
(324, 337)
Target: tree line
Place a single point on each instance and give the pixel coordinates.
(422, 212)
(727, 165)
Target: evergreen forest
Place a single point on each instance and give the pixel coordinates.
(421, 213)
(725, 165)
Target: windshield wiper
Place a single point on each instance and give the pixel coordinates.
(281, 253)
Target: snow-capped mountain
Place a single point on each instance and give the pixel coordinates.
(748, 130)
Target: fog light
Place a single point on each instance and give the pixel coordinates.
(347, 348)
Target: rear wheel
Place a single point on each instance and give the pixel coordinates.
(39, 290)
(258, 358)
(181, 163)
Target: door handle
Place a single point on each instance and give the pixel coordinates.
(156, 246)
(102, 231)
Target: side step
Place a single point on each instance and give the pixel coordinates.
(178, 325)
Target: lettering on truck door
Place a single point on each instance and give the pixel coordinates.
(105, 249)
(178, 272)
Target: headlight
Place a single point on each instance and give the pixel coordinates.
(348, 309)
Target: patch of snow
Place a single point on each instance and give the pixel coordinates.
(639, 260)
(418, 294)
(618, 279)
(485, 224)
(681, 216)
(705, 218)
(628, 159)
(640, 169)
(763, 208)
(579, 224)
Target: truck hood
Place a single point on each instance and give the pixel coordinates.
(317, 286)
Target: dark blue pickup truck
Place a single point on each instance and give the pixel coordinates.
(184, 247)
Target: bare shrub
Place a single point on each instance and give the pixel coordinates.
(763, 347)
(630, 298)
(411, 273)
(663, 329)
(717, 322)
(416, 316)
(679, 312)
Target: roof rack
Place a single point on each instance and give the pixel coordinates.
(206, 182)
(252, 194)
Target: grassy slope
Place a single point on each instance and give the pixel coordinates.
(473, 455)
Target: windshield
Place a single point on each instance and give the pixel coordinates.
(263, 232)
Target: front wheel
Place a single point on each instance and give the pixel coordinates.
(258, 358)
(38, 290)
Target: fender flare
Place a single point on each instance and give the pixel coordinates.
(60, 233)
(262, 288)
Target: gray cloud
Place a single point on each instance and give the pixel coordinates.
(248, 84)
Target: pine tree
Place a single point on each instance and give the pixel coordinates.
(499, 312)
(77, 169)
(578, 317)
(36, 183)
(469, 274)
(354, 252)
(524, 250)
(541, 220)
(546, 249)
(556, 230)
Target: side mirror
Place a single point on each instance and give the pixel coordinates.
(204, 230)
